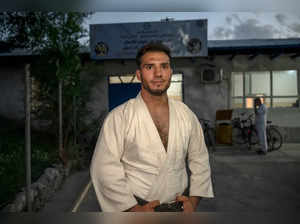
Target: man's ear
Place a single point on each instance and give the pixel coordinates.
(138, 74)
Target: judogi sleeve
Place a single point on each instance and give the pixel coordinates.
(107, 172)
(198, 161)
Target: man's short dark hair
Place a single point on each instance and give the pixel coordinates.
(152, 47)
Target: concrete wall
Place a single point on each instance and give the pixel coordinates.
(287, 118)
(206, 99)
(12, 92)
(98, 102)
(203, 99)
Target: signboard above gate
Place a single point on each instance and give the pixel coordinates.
(186, 38)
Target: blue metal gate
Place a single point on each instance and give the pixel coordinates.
(121, 92)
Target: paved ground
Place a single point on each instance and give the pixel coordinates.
(243, 181)
(66, 197)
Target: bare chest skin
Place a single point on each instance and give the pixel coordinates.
(160, 118)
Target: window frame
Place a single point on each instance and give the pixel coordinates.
(271, 97)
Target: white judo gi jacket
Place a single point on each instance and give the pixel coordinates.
(130, 159)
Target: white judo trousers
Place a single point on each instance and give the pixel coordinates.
(130, 159)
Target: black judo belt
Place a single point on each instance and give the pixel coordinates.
(176, 206)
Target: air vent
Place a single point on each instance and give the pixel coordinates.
(210, 75)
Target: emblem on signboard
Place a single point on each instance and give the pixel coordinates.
(101, 49)
(194, 46)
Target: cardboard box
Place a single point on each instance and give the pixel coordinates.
(224, 134)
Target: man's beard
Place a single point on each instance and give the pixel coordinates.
(157, 92)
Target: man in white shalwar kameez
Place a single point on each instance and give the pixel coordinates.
(143, 144)
(261, 124)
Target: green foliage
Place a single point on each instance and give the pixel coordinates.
(12, 162)
(22, 29)
(45, 95)
(35, 30)
(60, 56)
(54, 36)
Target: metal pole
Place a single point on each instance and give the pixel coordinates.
(74, 120)
(61, 150)
(28, 136)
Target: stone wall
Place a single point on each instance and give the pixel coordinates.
(41, 191)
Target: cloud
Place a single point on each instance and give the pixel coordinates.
(290, 26)
(281, 18)
(250, 28)
(228, 20)
(237, 18)
(222, 33)
(295, 27)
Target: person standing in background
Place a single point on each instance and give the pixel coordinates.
(260, 110)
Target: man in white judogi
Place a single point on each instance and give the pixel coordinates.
(143, 143)
(261, 125)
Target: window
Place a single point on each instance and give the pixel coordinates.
(174, 91)
(276, 88)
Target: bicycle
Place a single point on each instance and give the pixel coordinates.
(209, 134)
(274, 137)
(244, 132)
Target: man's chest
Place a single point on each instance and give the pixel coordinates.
(161, 122)
(149, 135)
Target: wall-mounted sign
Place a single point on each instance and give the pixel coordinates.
(186, 38)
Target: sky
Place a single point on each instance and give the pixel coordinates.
(190, 5)
(221, 25)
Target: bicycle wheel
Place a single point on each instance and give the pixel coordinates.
(237, 136)
(274, 138)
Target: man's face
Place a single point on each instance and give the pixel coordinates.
(155, 73)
